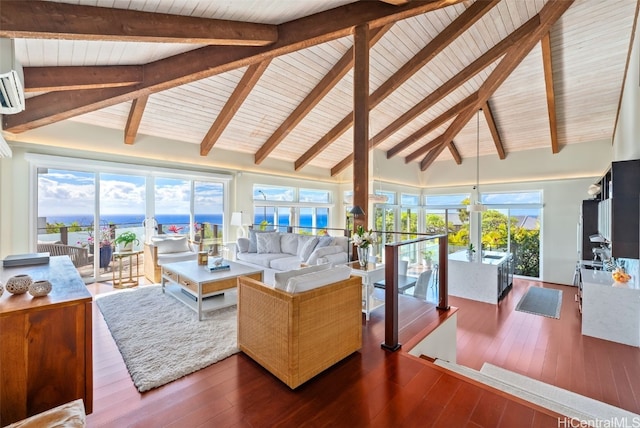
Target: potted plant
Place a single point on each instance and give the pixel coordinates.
(470, 252)
(126, 239)
(427, 259)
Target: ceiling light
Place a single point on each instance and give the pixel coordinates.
(477, 206)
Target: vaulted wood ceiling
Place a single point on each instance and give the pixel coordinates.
(274, 78)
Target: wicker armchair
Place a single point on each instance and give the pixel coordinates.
(297, 336)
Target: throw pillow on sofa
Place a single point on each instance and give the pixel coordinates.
(307, 249)
(289, 243)
(268, 242)
(322, 252)
(243, 245)
(253, 241)
(324, 241)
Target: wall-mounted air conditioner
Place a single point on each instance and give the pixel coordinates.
(11, 78)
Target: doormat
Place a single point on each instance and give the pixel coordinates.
(541, 301)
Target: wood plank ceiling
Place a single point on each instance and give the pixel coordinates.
(274, 79)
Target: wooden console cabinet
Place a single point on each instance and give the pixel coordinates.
(45, 343)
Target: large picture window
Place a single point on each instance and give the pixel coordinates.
(85, 210)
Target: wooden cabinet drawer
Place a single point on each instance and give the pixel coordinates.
(171, 275)
(193, 286)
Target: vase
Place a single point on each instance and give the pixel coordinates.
(105, 256)
(40, 288)
(18, 284)
(363, 256)
(125, 248)
(1, 288)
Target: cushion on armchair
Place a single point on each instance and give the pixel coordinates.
(171, 244)
(312, 280)
(281, 278)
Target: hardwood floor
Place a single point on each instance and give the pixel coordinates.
(376, 388)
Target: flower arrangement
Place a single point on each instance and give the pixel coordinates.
(362, 238)
(105, 237)
(175, 229)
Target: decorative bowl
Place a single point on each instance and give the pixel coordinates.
(40, 288)
(620, 276)
(18, 284)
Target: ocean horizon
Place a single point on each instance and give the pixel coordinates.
(133, 220)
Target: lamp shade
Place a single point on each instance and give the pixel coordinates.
(236, 219)
(356, 210)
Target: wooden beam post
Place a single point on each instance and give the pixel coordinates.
(361, 122)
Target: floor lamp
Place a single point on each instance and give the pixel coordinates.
(355, 211)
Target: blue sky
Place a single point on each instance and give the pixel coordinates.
(71, 192)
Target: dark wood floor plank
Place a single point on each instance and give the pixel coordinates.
(377, 388)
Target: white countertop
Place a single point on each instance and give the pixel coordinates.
(604, 278)
(461, 256)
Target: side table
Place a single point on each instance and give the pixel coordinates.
(130, 279)
(370, 274)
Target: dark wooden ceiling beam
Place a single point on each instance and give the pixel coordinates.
(328, 82)
(135, 117)
(457, 27)
(550, 13)
(551, 97)
(244, 88)
(454, 152)
(459, 79)
(436, 142)
(52, 20)
(209, 60)
(47, 79)
(491, 122)
(448, 87)
(444, 117)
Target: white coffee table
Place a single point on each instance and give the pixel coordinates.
(370, 274)
(202, 290)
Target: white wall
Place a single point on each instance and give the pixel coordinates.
(626, 141)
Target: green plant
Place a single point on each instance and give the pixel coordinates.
(471, 248)
(126, 238)
(427, 255)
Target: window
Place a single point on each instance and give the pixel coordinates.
(448, 214)
(512, 224)
(104, 199)
(289, 208)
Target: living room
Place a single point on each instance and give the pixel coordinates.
(563, 177)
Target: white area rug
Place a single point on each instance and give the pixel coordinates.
(161, 339)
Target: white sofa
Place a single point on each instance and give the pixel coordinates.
(278, 251)
(165, 249)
